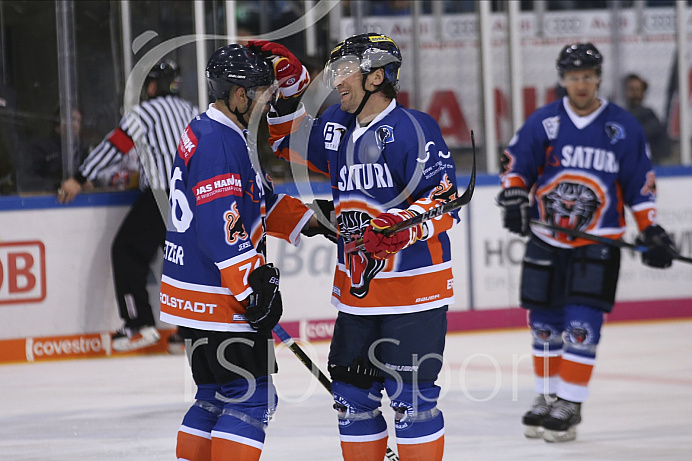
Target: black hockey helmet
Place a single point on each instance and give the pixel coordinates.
(364, 52)
(167, 76)
(579, 56)
(237, 65)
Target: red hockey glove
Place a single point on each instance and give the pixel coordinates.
(287, 67)
(382, 246)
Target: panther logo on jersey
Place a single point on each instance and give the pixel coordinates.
(571, 205)
(615, 131)
(361, 266)
(234, 226)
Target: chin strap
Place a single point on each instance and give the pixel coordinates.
(368, 93)
(239, 115)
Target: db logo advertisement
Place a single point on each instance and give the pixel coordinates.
(22, 272)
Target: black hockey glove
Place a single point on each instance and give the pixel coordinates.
(661, 249)
(515, 209)
(264, 304)
(326, 220)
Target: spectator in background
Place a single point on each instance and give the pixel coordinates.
(45, 154)
(655, 131)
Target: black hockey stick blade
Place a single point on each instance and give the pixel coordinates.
(601, 239)
(315, 370)
(448, 207)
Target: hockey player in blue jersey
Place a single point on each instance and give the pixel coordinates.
(386, 163)
(575, 163)
(216, 284)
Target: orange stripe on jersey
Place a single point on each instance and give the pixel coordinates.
(575, 373)
(235, 277)
(546, 366)
(280, 130)
(192, 447)
(229, 450)
(398, 291)
(285, 216)
(645, 217)
(199, 306)
(294, 157)
(374, 450)
(429, 451)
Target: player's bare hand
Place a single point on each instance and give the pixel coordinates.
(68, 191)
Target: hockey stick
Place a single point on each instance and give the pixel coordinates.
(448, 207)
(600, 239)
(315, 370)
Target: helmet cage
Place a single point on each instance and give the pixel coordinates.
(368, 52)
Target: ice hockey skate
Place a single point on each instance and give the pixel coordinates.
(533, 419)
(560, 424)
(127, 339)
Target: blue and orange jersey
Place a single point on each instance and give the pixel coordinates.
(221, 209)
(582, 171)
(398, 161)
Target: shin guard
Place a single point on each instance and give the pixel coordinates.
(362, 428)
(194, 435)
(248, 407)
(419, 424)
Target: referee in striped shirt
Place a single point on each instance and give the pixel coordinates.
(155, 126)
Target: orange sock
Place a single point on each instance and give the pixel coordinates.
(545, 367)
(364, 451)
(229, 450)
(428, 451)
(193, 447)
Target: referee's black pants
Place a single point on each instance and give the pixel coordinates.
(140, 236)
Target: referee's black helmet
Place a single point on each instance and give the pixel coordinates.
(167, 76)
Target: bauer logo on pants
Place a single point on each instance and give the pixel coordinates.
(22, 272)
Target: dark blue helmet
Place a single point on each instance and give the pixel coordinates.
(372, 52)
(579, 56)
(167, 76)
(236, 65)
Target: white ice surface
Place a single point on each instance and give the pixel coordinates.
(130, 408)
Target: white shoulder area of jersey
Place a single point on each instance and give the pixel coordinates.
(551, 125)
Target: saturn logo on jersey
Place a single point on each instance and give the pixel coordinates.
(234, 226)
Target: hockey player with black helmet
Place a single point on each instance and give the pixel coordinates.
(575, 163)
(216, 284)
(386, 163)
